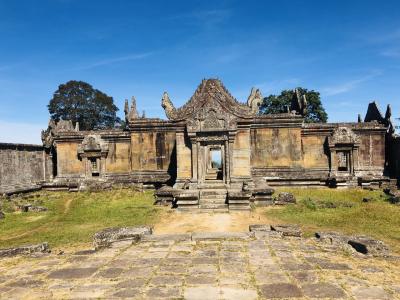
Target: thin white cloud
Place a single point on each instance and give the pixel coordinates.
(385, 37)
(391, 53)
(348, 86)
(24, 133)
(110, 61)
(206, 18)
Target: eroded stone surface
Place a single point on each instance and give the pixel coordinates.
(266, 268)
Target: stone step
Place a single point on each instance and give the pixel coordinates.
(213, 197)
(212, 206)
(213, 192)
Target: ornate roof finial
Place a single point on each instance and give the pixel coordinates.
(133, 113)
(254, 100)
(168, 106)
(359, 120)
(388, 113)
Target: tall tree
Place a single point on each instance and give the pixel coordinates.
(79, 102)
(278, 104)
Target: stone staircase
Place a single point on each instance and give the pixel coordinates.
(214, 199)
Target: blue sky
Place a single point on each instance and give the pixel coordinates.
(347, 50)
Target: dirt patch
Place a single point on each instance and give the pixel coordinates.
(183, 222)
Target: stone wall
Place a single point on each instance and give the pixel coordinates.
(21, 164)
(394, 158)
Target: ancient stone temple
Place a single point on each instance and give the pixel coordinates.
(215, 151)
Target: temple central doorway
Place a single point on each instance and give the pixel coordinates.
(214, 167)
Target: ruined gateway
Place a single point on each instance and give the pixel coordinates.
(215, 152)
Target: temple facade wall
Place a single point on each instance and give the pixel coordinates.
(118, 159)
(20, 164)
(152, 150)
(276, 147)
(372, 150)
(394, 158)
(68, 162)
(184, 155)
(314, 152)
(241, 154)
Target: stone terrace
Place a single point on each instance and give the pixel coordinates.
(204, 266)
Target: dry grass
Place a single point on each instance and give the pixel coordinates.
(342, 210)
(72, 218)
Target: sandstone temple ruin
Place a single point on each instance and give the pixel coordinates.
(214, 151)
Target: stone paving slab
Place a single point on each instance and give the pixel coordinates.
(217, 266)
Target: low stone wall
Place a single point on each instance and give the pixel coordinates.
(394, 158)
(21, 164)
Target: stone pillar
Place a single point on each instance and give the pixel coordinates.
(194, 160)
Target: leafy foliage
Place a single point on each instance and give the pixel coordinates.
(79, 102)
(274, 104)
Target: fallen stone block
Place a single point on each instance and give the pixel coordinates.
(106, 237)
(361, 244)
(368, 245)
(332, 238)
(24, 250)
(285, 198)
(259, 227)
(30, 207)
(287, 230)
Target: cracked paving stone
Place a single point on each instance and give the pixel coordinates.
(204, 261)
(304, 277)
(238, 293)
(131, 284)
(369, 293)
(202, 293)
(322, 290)
(280, 290)
(157, 292)
(327, 264)
(26, 282)
(71, 273)
(138, 273)
(167, 280)
(371, 269)
(177, 261)
(127, 293)
(172, 269)
(89, 291)
(194, 280)
(296, 267)
(199, 269)
(268, 277)
(110, 273)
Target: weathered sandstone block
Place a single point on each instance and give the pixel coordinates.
(43, 247)
(285, 198)
(107, 236)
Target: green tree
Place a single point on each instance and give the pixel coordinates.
(79, 102)
(274, 104)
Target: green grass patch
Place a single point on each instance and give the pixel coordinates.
(341, 210)
(73, 218)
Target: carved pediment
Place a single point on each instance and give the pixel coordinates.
(343, 135)
(93, 144)
(211, 94)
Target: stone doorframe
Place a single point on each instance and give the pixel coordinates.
(93, 150)
(201, 142)
(343, 140)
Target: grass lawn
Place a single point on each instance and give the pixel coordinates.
(73, 218)
(341, 210)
